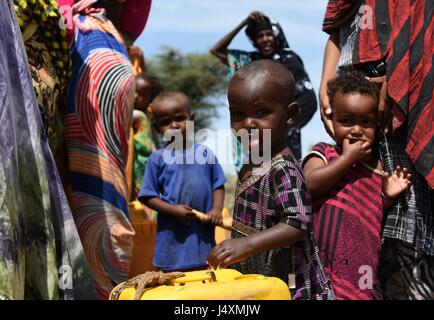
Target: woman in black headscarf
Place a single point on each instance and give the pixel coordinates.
(269, 40)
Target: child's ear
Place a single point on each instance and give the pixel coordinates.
(191, 116)
(293, 111)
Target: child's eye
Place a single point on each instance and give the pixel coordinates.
(237, 114)
(346, 121)
(262, 112)
(368, 122)
(180, 118)
(164, 122)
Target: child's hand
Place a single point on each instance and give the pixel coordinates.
(357, 151)
(397, 183)
(229, 252)
(183, 213)
(215, 217)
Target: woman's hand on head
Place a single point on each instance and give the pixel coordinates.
(255, 16)
(229, 252)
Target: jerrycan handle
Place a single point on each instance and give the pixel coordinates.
(207, 276)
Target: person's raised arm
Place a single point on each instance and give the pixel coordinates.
(220, 48)
(331, 58)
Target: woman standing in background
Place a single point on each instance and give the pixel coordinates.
(270, 43)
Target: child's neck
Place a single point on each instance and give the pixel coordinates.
(281, 148)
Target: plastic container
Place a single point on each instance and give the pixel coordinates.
(221, 284)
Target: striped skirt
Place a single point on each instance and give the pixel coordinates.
(97, 126)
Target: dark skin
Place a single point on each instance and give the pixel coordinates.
(258, 104)
(354, 120)
(265, 40)
(172, 114)
(136, 56)
(143, 94)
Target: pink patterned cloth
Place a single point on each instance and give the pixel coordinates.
(347, 227)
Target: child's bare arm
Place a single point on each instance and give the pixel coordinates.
(181, 212)
(394, 185)
(321, 177)
(232, 251)
(215, 214)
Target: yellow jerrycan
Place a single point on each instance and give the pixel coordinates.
(220, 284)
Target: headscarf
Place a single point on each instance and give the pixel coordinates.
(256, 26)
(134, 16)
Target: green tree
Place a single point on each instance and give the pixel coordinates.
(202, 77)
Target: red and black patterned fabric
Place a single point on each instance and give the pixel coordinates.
(347, 227)
(400, 32)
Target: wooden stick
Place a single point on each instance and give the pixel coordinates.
(227, 223)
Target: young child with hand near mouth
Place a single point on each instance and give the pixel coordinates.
(349, 189)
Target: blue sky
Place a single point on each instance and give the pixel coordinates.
(195, 25)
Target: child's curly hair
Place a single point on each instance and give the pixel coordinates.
(350, 80)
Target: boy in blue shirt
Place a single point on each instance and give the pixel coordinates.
(178, 178)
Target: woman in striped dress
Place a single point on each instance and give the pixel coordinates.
(97, 124)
